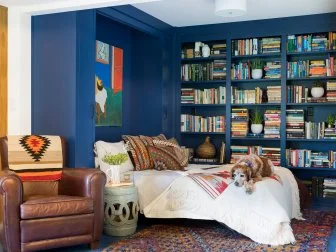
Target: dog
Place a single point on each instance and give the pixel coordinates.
(250, 169)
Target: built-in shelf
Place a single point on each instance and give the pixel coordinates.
(201, 59)
(256, 80)
(312, 104)
(202, 105)
(312, 168)
(262, 55)
(309, 140)
(310, 53)
(255, 104)
(203, 133)
(312, 78)
(255, 138)
(204, 82)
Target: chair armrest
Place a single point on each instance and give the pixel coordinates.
(11, 192)
(86, 182)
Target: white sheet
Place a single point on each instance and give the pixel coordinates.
(264, 216)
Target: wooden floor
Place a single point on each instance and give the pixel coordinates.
(323, 204)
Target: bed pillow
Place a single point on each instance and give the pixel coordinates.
(164, 158)
(182, 154)
(136, 145)
(102, 148)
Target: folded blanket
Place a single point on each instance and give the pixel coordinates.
(35, 158)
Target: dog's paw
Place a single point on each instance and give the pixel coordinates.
(248, 187)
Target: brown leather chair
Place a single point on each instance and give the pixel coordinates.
(44, 215)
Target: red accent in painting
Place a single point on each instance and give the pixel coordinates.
(117, 69)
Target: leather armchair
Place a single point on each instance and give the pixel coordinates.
(44, 215)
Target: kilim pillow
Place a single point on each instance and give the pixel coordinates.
(182, 154)
(164, 158)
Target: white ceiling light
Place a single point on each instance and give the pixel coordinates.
(230, 8)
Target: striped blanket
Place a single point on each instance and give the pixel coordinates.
(35, 158)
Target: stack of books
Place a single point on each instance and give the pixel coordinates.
(331, 91)
(330, 133)
(241, 71)
(191, 123)
(272, 120)
(219, 50)
(317, 68)
(270, 45)
(218, 71)
(295, 123)
(272, 70)
(273, 154)
(314, 130)
(332, 40)
(250, 96)
(329, 187)
(237, 151)
(274, 94)
(203, 96)
(239, 122)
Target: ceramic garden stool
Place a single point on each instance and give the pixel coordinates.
(120, 210)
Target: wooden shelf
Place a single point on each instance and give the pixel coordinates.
(203, 59)
(312, 168)
(204, 82)
(202, 105)
(262, 55)
(256, 80)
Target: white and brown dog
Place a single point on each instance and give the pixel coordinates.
(250, 169)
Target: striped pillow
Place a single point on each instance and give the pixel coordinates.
(164, 158)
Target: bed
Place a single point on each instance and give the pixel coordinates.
(264, 216)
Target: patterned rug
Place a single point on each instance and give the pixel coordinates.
(311, 235)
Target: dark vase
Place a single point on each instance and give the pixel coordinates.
(264, 98)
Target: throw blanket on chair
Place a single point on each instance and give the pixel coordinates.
(35, 158)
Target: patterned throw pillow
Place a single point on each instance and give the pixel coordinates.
(164, 158)
(136, 146)
(182, 154)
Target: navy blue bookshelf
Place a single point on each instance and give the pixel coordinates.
(261, 55)
(202, 59)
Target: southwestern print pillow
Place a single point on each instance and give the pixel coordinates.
(182, 154)
(164, 158)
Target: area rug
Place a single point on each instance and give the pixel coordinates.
(311, 234)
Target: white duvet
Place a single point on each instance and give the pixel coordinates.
(264, 216)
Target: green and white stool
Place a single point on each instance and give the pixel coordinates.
(121, 210)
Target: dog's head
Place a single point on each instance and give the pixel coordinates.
(241, 173)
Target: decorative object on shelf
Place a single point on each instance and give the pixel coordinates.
(264, 96)
(317, 89)
(256, 120)
(197, 50)
(331, 120)
(191, 153)
(205, 50)
(230, 8)
(206, 149)
(111, 166)
(257, 68)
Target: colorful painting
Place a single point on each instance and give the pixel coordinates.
(108, 85)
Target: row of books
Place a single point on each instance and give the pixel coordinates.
(272, 153)
(272, 70)
(311, 68)
(247, 96)
(311, 42)
(215, 70)
(255, 46)
(309, 158)
(274, 94)
(331, 91)
(203, 96)
(239, 122)
(193, 123)
(295, 123)
(272, 119)
(329, 187)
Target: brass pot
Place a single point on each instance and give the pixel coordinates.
(206, 149)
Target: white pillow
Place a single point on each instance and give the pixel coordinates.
(102, 148)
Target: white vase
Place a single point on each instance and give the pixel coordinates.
(205, 51)
(256, 128)
(257, 73)
(112, 173)
(317, 92)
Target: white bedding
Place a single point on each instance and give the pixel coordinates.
(264, 215)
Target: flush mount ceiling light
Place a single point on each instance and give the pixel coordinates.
(230, 8)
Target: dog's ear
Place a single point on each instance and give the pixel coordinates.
(249, 174)
(233, 170)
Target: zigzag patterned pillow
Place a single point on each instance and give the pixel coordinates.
(164, 158)
(182, 154)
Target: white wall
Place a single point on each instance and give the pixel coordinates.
(19, 71)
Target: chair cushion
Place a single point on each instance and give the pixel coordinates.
(40, 206)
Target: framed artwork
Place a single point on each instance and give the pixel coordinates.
(108, 85)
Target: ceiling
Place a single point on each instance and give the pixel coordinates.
(197, 12)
